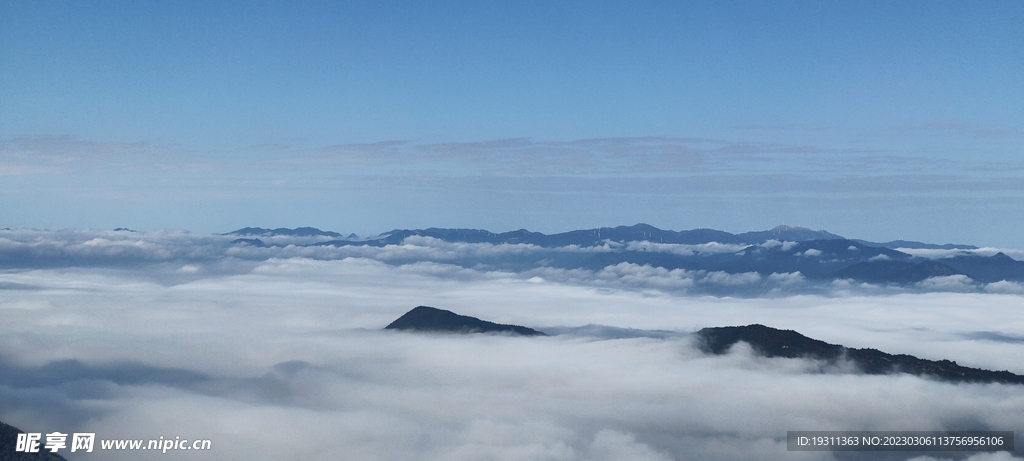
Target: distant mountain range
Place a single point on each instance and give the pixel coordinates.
(816, 255)
(589, 237)
(766, 341)
(297, 232)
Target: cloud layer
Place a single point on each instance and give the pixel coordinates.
(283, 358)
(177, 256)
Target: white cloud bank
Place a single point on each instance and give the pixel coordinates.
(287, 361)
(939, 254)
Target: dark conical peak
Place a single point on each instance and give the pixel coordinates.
(425, 318)
(1002, 257)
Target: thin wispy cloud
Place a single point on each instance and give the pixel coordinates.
(964, 129)
(653, 157)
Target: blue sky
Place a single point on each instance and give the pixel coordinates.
(876, 120)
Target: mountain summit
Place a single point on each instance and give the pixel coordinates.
(772, 342)
(9, 441)
(425, 318)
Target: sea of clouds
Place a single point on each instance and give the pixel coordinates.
(279, 354)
